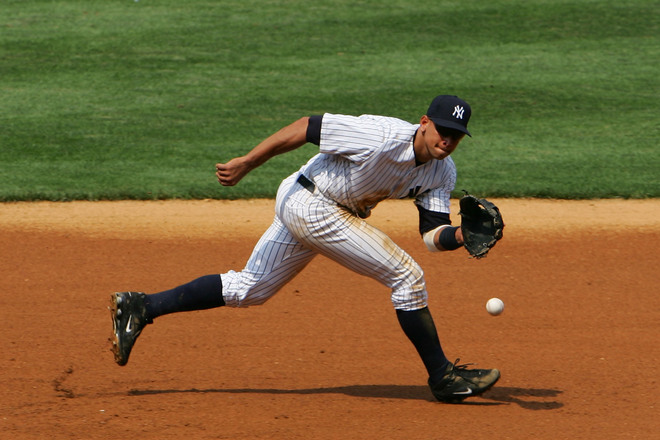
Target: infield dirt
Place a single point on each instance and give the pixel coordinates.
(577, 344)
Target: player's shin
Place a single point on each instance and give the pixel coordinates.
(418, 325)
(200, 294)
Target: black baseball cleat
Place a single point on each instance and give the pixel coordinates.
(459, 383)
(129, 317)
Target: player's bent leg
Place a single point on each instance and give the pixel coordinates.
(355, 244)
(352, 242)
(276, 259)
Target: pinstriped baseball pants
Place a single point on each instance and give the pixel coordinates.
(306, 224)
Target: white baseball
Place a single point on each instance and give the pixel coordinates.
(495, 306)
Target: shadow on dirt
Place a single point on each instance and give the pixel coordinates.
(527, 398)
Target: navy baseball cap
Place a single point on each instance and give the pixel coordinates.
(451, 112)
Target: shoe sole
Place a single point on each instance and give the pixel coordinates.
(114, 339)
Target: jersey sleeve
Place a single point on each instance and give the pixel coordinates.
(438, 198)
(429, 220)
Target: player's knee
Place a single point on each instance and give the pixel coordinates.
(412, 279)
(409, 292)
(243, 298)
(242, 291)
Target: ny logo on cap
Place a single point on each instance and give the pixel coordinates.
(458, 112)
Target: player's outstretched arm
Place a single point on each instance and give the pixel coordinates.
(286, 139)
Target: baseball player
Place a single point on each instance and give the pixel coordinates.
(321, 208)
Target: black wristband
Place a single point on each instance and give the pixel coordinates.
(447, 238)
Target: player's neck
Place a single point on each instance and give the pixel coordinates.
(419, 148)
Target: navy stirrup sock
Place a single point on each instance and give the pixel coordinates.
(200, 294)
(419, 327)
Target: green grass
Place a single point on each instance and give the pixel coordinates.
(115, 99)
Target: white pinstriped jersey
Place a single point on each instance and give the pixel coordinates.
(366, 159)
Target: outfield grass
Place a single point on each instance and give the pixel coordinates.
(113, 99)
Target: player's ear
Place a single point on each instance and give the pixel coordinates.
(423, 122)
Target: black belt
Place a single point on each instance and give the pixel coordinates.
(306, 183)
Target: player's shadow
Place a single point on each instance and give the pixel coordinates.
(528, 398)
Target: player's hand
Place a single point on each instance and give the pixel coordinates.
(230, 173)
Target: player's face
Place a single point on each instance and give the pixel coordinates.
(439, 142)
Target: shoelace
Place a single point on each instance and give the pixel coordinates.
(462, 366)
(462, 371)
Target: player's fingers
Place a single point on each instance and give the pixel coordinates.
(227, 178)
(226, 182)
(222, 173)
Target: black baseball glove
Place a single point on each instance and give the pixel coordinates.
(481, 225)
